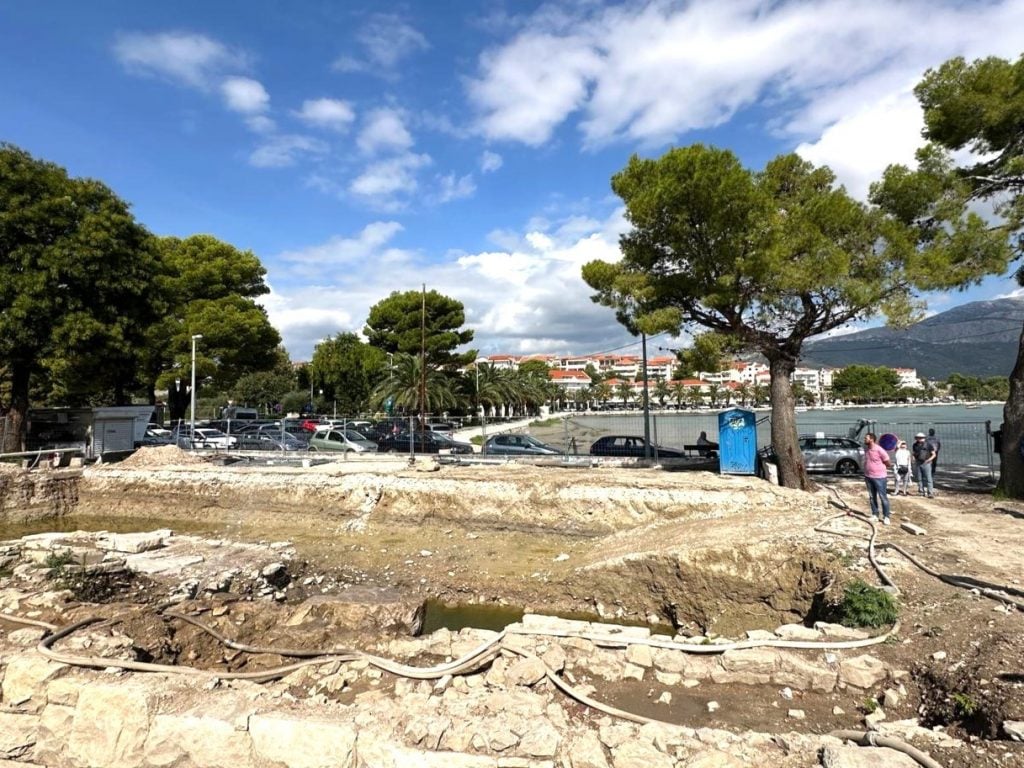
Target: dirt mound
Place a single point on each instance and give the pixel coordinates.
(161, 456)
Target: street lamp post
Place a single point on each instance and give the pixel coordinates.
(192, 410)
(479, 405)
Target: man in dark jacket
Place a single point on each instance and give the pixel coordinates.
(936, 445)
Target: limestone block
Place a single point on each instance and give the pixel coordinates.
(29, 636)
(528, 672)
(18, 735)
(605, 664)
(640, 655)
(206, 742)
(364, 607)
(586, 751)
(54, 726)
(537, 621)
(1014, 729)
(110, 724)
(381, 754)
(865, 757)
(554, 658)
(541, 740)
(797, 672)
(726, 677)
(864, 671)
(501, 739)
(760, 634)
(633, 672)
(132, 543)
(25, 680)
(161, 562)
(303, 743)
(760, 661)
(797, 632)
(637, 754)
(714, 758)
(839, 632)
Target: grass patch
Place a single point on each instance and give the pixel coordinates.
(546, 422)
(477, 440)
(865, 606)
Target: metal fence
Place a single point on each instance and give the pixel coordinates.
(966, 444)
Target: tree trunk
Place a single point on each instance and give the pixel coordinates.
(14, 434)
(792, 473)
(1011, 464)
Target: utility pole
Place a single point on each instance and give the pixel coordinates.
(647, 404)
(423, 360)
(192, 414)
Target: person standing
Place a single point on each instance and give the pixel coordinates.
(902, 466)
(876, 477)
(936, 444)
(924, 458)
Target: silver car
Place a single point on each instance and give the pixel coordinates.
(832, 453)
(517, 445)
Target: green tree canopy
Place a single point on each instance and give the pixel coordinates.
(347, 369)
(766, 258)
(865, 383)
(76, 271)
(978, 107)
(394, 325)
(209, 287)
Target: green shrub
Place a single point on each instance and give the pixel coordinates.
(964, 704)
(865, 606)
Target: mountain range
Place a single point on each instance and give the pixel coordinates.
(976, 339)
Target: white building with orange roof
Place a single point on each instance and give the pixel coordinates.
(908, 378)
(569, 381)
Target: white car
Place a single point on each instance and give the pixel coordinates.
(207, 437)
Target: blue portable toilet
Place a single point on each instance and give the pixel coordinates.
(737, 442)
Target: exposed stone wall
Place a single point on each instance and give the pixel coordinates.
(37, 494)
(506, 715)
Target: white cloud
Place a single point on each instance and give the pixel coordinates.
(650, 72)
(384, 131)
(348, 250)
(284, 150)
(490, 161)
(451, 187)
(383, 183)
(386, 40)
(860, 146)
(245, 95)
(335, 114)
(190, 59)
(260, 124)
(527, 298)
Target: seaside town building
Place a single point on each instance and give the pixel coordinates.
(569, 373)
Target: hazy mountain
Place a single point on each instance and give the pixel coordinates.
(978, 339)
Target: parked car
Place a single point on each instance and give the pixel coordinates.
(631, 446)
(269, 437)
(443, 427)
(335, 439)
(831, 453)
(424, 441)
(157, 437)
(205, 437)
(517, 445)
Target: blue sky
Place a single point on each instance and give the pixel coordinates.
(361, 148)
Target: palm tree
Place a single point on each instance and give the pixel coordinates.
(625, 391)
(713, 392)
(403, 387)
(680, 392)
(760, 394)
(662, 391)
(743, 393)
(603, 391)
